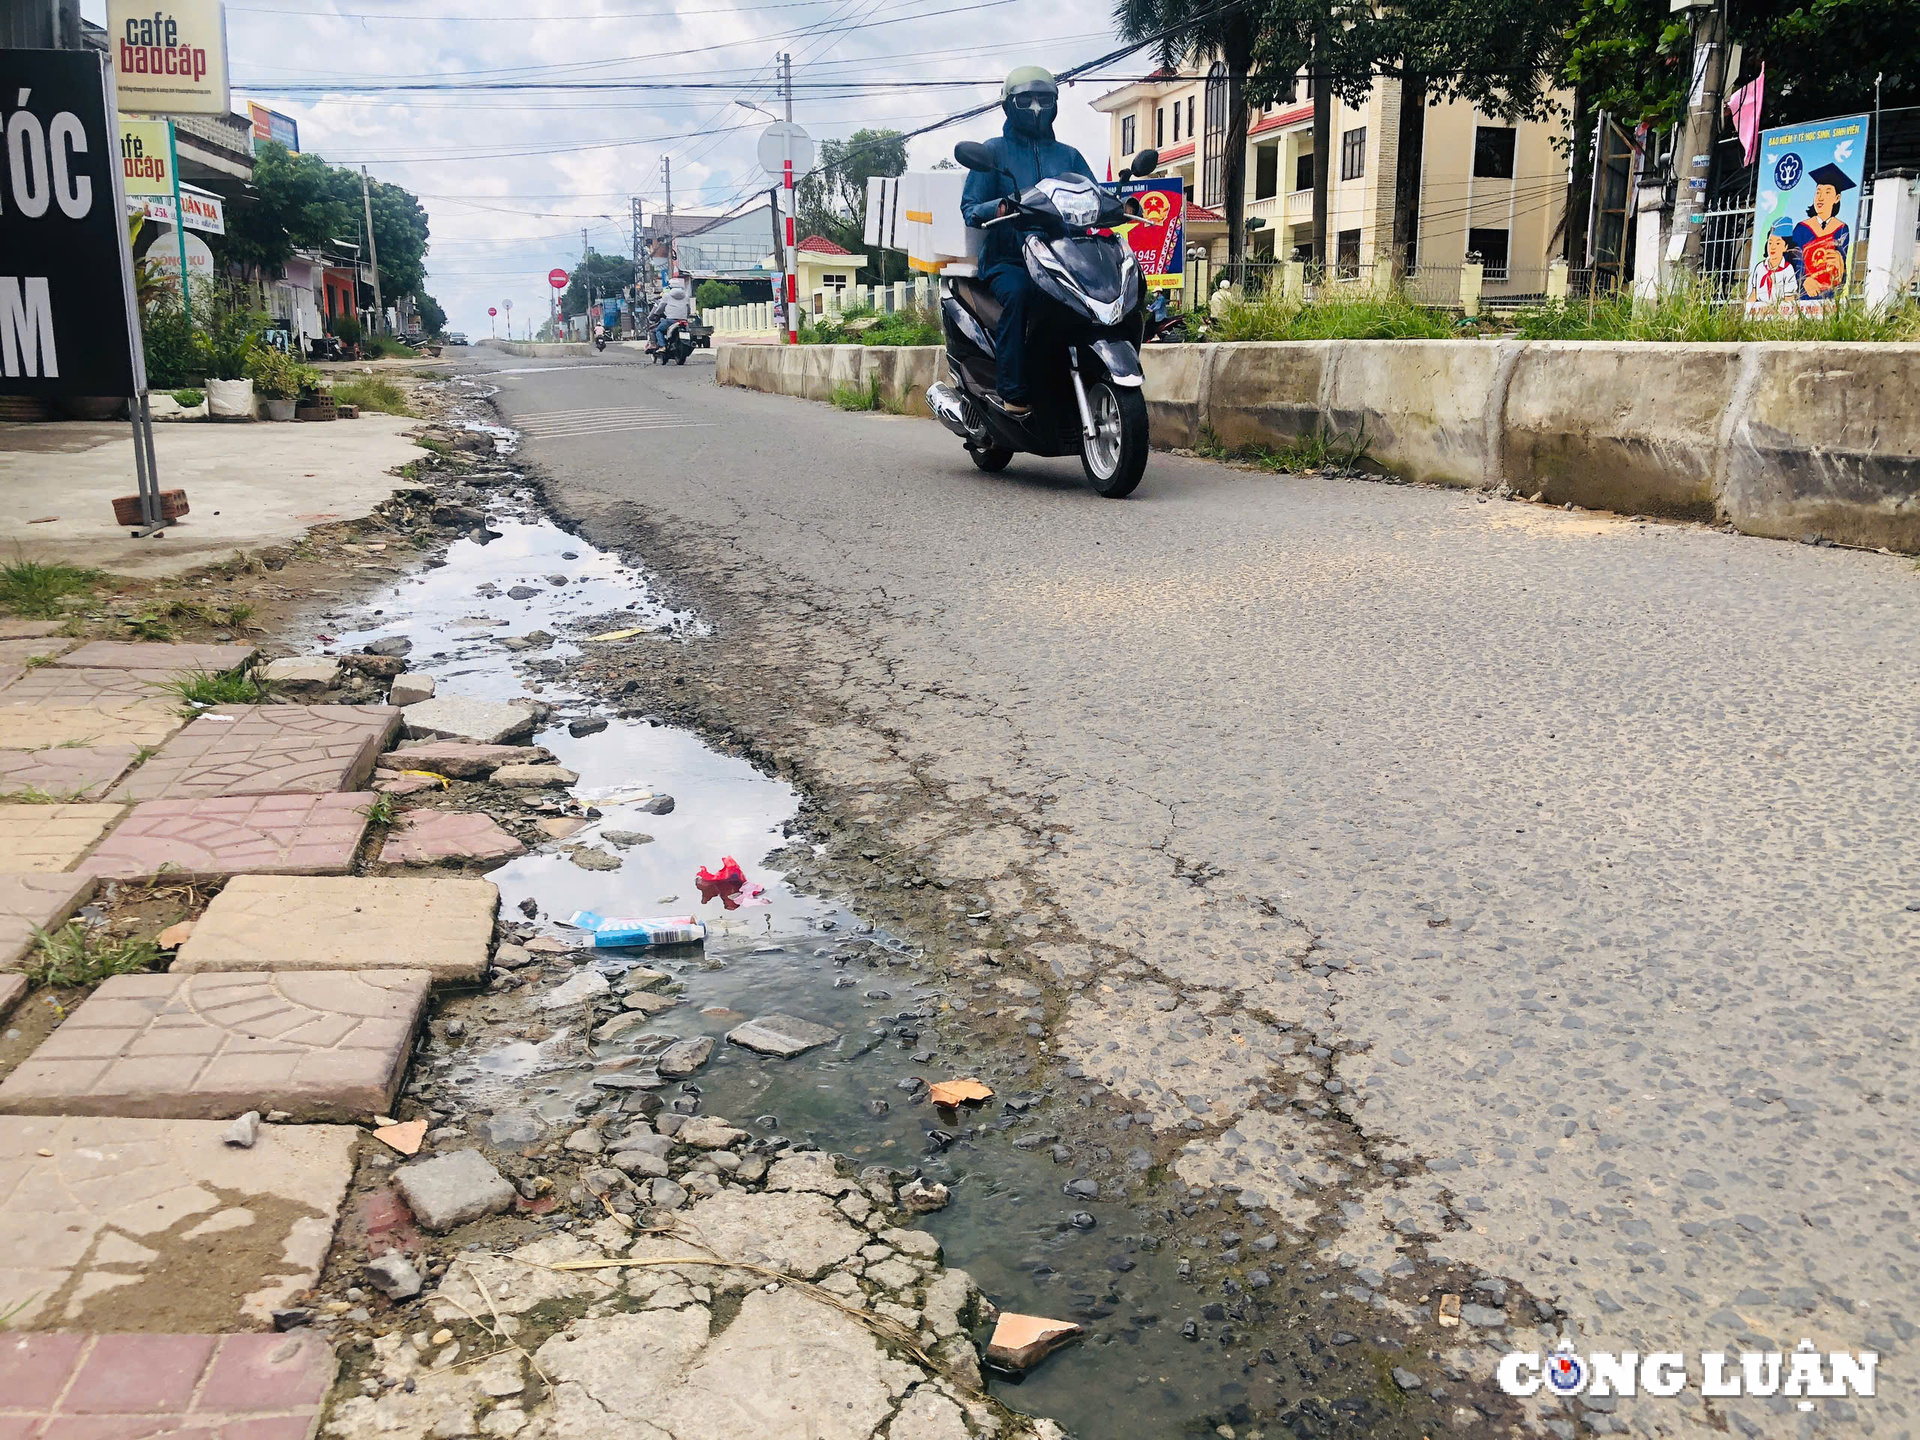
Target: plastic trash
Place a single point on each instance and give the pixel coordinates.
(729, 886)
(628, 931)
(728, 877)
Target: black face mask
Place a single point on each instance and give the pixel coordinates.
(1033, 124)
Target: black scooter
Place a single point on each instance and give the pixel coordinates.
(1083, 337)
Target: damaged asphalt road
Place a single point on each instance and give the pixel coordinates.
(1447, 881)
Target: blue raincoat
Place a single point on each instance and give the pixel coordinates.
(1029, 160)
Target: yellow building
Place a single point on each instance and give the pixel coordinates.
(1487, 186)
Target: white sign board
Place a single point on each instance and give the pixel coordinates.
(204, 210)
(169, 58)
(778, 141)
(165, 259)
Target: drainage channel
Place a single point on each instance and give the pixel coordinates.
(1163, 1357)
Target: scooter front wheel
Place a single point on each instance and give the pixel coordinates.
(1115, 456)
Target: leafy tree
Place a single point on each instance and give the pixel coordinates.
(298, 202)
(833, 198)
(716, 295)
(605, 274)
(1202, 30)
(433, 319)
(399, 233)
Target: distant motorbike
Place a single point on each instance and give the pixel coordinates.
(599, 339)
(676, 347)
(1083, 337)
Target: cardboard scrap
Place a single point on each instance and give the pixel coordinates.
(1448, 1313)
(174, 936)
(1022, 1341)
(404, 1138)
(618, 634)
(959, 1092)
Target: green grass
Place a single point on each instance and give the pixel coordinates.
(198, 689)
(381, 810)
(1689, 313)
(188, 399)
(29, 587)
(34, 795)
(1365, 315)
(76, 955)
(149, 625)
(1321, 448)
(855, 397)
(372, 392)
(233, 617)
(862, 326)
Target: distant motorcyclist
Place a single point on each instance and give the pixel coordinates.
(1028, 153)
(674, 304)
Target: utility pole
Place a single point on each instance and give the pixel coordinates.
(666, 175)
(791, 217)
(1693, 156)
(373, 251)
(638, 286)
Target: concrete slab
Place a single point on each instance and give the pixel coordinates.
(284, 922)
(427, 837)
(251, 485)
(114, 1224)
(143, 655)
(13, 989)
(458, 717)
(40, 899)
(235, 835)
(266, 750)
(11, 629)
(67, 772)
(319, 1045)
(50, 837)
(260, 1387)
(18, 652)
(460, 760)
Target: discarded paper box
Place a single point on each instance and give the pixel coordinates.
(959, 1092)
(1022, 1341)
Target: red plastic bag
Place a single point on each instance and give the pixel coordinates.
(728, 877)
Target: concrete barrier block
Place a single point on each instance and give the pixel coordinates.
(1633, 428)
(1266, 392)
(1175, 386)
(1422, 404)
(1826, 440)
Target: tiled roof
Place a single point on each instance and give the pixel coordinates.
(820, 245)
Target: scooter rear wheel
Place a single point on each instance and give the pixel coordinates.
(993, 459)
(1115, 456)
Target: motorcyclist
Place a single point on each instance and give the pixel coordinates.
(1028, 153)
(674, 304)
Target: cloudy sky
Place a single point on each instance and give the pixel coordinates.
(511, 178)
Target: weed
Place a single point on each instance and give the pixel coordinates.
(78, 955)
(1693, 312)
(1321, 448)
(1333, 316)
(381, 811)
(438, 447)
(148, 625)
(188, 399)
(197, 689)
(855, 397)
(195, 612)
(29, 587)
(7, 1314)
(372, 392)
(912, 326)
(34, 795)
(34, 662)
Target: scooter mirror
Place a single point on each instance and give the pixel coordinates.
(1146, 162)
(974, 155)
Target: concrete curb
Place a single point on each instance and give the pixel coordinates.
(1776, 438)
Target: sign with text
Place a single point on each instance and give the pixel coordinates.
(169, 58)
(1158, 233)
(272, 125)
(1806, 215)
(146, 157)
(203, 212)
(67, 324)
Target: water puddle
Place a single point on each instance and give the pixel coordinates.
(1009, 1223)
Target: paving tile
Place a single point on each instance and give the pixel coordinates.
(170, 659)
(66, 771)
(51, 706)
(319, 1045)
(38, 898)
(266, 750)
(18, 652)
(290, 922)
(235, 835)
(50, 837)
(426, 837)
(121, 1386)
(30, 629)
(13, 989)
(119, 1224)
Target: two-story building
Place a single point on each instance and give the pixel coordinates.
(1487, 186)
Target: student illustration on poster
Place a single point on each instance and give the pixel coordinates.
(1806, 213)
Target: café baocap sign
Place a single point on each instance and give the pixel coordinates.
(171, 58)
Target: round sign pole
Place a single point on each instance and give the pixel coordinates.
(557, 278)
(784, 148)
(492, 329)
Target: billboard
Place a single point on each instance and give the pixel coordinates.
(1158, 237)
(272, 125)
(67, 324)
(170, 58)
(146, 157)
(1806, 215)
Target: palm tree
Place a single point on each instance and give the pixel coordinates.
(1194, 30)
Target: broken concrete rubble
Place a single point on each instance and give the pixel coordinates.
(450, 1190)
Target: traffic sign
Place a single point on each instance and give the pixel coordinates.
(773, 148)
(557, 279)
(493, 310)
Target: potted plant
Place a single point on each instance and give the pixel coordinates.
(346, 329)
(278, 379)
(232, 339)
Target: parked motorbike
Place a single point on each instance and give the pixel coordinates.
(676, 347)
(1083, 336)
